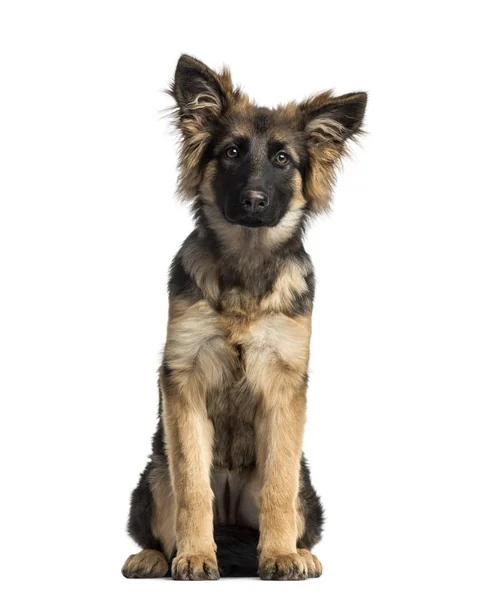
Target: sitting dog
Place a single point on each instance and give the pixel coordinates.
(227, 490)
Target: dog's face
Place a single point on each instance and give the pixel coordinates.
(253, 166)
(259, 159)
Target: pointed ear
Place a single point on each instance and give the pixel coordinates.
(329, 122)
(198, 89)
(334, 120)
(202, 96)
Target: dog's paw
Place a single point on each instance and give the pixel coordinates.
(314, 567)
(147, 563)
(195, 567)
(286, 567)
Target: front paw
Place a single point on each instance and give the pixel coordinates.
(285, 567)
(195, 567)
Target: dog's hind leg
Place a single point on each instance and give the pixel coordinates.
(309, 521)
(145, 564)
(151, 522)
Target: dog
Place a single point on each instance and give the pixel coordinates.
(227, 490)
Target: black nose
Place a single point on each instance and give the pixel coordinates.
(254, 200)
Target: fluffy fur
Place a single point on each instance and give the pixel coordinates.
(227, 490)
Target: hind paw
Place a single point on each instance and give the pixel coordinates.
(313, 564)
(145, 564)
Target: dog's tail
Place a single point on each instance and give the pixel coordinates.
(237, 552)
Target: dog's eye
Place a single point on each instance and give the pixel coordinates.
(232, 151)
(281, 158)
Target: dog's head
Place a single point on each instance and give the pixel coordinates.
(253, 166)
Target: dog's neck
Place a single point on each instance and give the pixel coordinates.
(221, 256)
(245, 249)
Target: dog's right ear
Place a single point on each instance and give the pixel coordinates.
(199, 90)
(201, 96)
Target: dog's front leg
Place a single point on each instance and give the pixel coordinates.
(189, 437)
(276, 366)
(197, 360)
(279, 435)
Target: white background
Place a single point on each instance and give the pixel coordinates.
(404, 418)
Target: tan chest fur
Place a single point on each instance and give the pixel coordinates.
(235, 360)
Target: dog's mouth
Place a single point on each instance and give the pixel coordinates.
(252, 221)
(248, 221)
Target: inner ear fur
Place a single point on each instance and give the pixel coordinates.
(200, 90)
(329, 122)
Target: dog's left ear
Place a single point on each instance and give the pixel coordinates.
(201, 96)
(329, 122)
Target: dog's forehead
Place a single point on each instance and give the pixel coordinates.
(272, 124)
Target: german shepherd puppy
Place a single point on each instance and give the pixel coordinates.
(227, 490)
